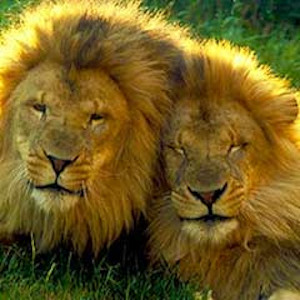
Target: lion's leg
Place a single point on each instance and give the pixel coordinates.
(285, 295)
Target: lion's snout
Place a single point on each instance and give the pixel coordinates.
(62, 143)
(59, 165)
(208, 198)
(207, 182)
(66, 174)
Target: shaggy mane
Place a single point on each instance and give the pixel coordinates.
(137, 50)
(264, 255)
(269, 97)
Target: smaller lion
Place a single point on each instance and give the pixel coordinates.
(227, 215)
(83, 96)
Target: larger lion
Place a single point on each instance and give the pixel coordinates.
(228, 216)
(83, 94)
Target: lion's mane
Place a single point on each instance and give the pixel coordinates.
(264, 253)
(135, 49)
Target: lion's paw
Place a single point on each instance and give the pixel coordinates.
(285, 295)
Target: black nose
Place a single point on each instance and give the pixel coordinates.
(208, 198)
(58, 165)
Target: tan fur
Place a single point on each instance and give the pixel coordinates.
(285, 295)
(233, 131)
(80, 58)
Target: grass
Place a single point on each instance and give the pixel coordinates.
(278, 48)
(64, 275)
(119, 273)
(276, 44)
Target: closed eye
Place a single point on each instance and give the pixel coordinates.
(40, 107)
(236, 148)
(179, 150)
(96, 117)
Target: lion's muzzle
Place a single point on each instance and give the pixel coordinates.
(208, 198)
(56, 175)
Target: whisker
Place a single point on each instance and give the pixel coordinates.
(106, 174)
(237, 192)
(158, 205)
(84, 190)
(17, 180)
(177, 196)
(15, 177)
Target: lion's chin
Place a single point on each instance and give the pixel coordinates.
(211, 234)
(49, 200)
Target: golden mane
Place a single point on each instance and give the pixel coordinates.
(267, 96)
(136, 50)
(259, 252)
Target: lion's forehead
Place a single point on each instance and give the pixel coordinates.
(89, 89)
(214, 127)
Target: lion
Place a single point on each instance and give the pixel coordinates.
(83, 94)
(227, 214)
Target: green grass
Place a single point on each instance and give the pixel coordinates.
(276, 44)
(278, 48)
(62, 274)
(119, 274)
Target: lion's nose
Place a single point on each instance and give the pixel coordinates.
(58, 164)
(210, 197)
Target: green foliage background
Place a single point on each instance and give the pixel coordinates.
(271, 28)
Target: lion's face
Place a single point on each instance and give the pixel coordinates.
(64, 129)
(212, 155)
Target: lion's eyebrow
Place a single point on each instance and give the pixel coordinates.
(40, 95)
